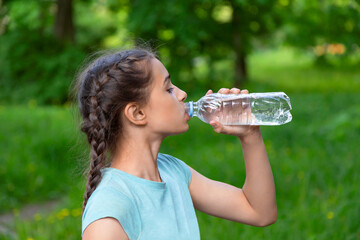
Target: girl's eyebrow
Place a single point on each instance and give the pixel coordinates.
(167, 79)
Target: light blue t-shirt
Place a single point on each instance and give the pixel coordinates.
(147, 209)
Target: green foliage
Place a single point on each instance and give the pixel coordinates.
(35, 65)
(316, 22)
(322, 24)
(196, 40)
(209, 31)
(34, 68)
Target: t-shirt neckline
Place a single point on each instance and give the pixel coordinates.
(133, 178)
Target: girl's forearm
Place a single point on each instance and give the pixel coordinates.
(259, 187)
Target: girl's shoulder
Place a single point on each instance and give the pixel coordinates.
(174, 166)
(170, 161)
(108, 192)
(107, 201)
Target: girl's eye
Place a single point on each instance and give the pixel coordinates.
(170, 90)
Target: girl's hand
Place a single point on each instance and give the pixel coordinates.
(239, 131)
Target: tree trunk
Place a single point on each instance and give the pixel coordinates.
(4, 17)
(238, 43)
(240, 70)
(64, 26)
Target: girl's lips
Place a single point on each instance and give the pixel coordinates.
(187, 116)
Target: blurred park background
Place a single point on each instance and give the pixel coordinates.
(307, 49)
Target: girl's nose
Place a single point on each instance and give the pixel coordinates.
(182, 95)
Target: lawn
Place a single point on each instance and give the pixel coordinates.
(314, 158)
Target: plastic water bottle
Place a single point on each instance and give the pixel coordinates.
(271, 108)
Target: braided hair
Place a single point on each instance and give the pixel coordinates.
(103, 90)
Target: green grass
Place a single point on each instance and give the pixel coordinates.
(294, 71)
(314, 158)
(38, 155)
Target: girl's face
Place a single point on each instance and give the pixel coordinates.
(165, 109)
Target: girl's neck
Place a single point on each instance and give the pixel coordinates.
(138, 157)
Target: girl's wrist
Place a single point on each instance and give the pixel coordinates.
(253, 135)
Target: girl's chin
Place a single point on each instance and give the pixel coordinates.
(187, 127)
(180, 131)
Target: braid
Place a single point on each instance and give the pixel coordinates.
(96, 127)
(104, 89)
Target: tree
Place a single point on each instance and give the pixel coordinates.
(3, 17)
(328, 26)
(35, 63)
(64, 26)
(213, 30)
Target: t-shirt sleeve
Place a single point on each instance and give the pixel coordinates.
(108, 202)
(179, 167)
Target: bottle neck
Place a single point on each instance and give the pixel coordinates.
(192, 108)
(195, 109)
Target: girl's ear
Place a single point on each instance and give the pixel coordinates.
(135, 114)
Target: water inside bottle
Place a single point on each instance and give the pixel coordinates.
(235, 110)
(272, 110)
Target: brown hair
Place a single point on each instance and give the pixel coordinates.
(103, 90)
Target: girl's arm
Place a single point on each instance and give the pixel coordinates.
(255, 203)
(106, 229)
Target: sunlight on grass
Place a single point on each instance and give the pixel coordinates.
(290, 71)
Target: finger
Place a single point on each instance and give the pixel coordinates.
(209, 92)
(224, 90)
(216, 126)
(245, 91)
(235, 91)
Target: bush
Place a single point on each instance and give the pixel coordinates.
(36, 68)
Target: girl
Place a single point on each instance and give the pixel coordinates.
(128, 106)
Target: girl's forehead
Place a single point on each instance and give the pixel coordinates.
(159, 73)
(159, 69)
